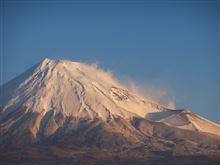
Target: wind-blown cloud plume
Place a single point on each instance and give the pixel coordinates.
(154, 93)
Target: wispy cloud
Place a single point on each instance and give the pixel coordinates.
(155, 93)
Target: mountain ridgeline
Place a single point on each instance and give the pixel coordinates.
(61, 111)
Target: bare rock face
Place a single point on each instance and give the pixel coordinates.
(71, 109)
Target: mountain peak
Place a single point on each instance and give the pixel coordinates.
(84, 91)
(76, 89)
(46, 60)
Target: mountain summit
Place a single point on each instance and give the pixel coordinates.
(73, 89)
(60, 102)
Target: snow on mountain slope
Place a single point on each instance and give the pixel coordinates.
(70, 89)
(73, 89)
(185, 119)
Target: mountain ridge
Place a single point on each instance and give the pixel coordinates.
(60, 103)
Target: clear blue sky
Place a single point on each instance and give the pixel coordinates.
(173, 45)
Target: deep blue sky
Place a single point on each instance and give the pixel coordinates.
(169, 45)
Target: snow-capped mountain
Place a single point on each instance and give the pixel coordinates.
(73, 89)
(83, 91)
(65, 102)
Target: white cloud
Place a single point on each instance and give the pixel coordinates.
(155, 93)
